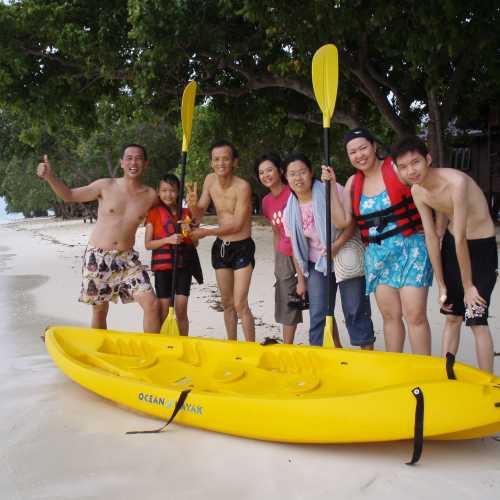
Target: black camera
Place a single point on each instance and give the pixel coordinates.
(297, 302)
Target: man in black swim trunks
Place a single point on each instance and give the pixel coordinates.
(233, 250)
(466, 266)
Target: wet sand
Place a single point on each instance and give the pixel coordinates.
(60, 441)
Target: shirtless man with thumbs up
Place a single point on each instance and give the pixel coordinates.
(233, 249)
(111, 266)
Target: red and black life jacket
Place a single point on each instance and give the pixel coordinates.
(162, 259)
(402, 210)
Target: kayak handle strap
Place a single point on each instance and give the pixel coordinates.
(418, 436)
(178, 406)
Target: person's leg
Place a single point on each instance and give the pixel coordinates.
(163, 287)
(414, 306)
(484, 262)
(225, 282)
(357, 312)
(318, 305)
(181, 303)
(451, 334)
(164, 307)
(151, 307)
(287, 316)
(484, 347)
(289, 333)
(99, 316)
(454, 309)
(242, 279)
(389, 304)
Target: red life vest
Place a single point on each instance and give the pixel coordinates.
(162, 259)
(402, 210)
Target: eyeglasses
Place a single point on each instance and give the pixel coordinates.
(300, 173)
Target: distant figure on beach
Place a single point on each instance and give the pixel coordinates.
(466, 266)
(397, 266)
(161, 237)
(111, 266)
(269, 171)
(233, 250)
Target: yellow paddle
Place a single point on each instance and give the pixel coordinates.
(325, 79)
(170, 326)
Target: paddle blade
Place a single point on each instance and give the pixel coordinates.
(170, 326)
(328, 333)
(187, 110)
(325, 78)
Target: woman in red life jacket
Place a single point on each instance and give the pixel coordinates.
(161, 237)
(397, 266)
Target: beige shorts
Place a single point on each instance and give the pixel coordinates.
(109, 274)
(286, 285)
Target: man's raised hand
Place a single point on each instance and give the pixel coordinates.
(43, 170)
(191, 194)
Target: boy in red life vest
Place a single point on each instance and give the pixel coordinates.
(161, 237)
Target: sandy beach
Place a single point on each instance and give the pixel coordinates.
(60, 441)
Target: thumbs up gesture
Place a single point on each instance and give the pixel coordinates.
(191, 194)
(43, 170)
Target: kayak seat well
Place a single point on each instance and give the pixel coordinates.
(290, 362)
(128, 354)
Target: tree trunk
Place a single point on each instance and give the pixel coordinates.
(435, 131)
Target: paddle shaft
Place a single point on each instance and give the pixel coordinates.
(180, 197)
(328, 188)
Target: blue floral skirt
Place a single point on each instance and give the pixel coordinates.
(397, 262)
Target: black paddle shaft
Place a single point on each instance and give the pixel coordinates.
(328, 188)
(180, 197)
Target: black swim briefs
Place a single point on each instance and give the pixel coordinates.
(163, 282)
(233, 254)
(484, 263)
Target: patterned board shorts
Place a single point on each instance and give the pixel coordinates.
(109, 274)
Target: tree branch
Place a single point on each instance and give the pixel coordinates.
(339, 117)
(403, 103)
(377, 96)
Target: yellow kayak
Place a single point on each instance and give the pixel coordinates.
(279, 392)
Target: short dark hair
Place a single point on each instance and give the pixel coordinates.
(408, 144)
(144, 152)
(171, 179)
(297, 157)
(274, 158)
(223, 143)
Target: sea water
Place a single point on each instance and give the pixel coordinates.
(4, 216)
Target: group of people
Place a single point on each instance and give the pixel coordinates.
(403, 219)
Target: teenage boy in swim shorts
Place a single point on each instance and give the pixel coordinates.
(111, 266)
(233, 250)
(466, 266)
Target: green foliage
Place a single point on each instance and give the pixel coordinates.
(79, 78)
(77, 157)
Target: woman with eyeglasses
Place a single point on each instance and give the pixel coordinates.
(305, 223)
